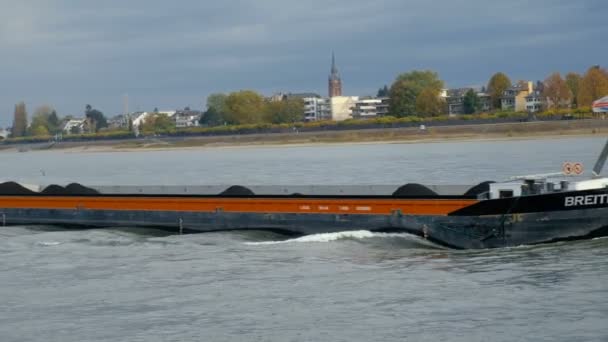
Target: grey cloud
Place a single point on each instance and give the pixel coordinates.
(172, 54)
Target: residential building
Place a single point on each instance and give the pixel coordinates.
(455, 100)
(138, 118)
(276, 97)
(118, 122)
(187, 118)
(74, 126)
(514, 98)
(3, 133)
(370, 107)
(535, 102)
(342, 107)
(334, 82)
(316, 108)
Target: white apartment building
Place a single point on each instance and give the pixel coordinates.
(370, 107)
(342, 107)
(74, 126)
(316, 108)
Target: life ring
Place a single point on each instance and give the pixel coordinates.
(567, 168)
(577, 168)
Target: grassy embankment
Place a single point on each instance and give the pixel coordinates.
(431, 134)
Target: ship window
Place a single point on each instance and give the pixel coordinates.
(505, 193)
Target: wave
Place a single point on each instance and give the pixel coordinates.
(345, 235)
(48, 243)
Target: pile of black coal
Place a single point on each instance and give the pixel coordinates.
(414, 190)
(72, 189)
(13, 188)
(237, 190)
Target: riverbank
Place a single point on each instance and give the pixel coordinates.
(520, 130)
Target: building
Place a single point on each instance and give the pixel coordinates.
(316, 108)
(535, 102)
(334, 82)
(186, 118)
(514, 98)
(370, 107)
(455, 100)
(342, 107)
(138, 118)
(118, 122)
(3, 133)
(74, 126)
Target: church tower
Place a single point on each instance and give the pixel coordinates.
(335, 83)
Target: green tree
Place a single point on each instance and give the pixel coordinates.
(39, 131)
(286, 111)
(383, 92)
(471, 102)
(499, 82)
(54, 122)
(218, 102)
(211, 117)
(556, 91)
(244, 107)
(428, 102)
(19, 128)
(97, 118)
(573, 80)
(593, 86)
(407, 87)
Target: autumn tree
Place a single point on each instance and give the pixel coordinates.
(157, 123)
(288, 110)
(593, 86)
(406, 88)
(244, 107)
(44, 122)
(499, 82)
(19, 121)
(573, 80)
(428, 102)
(471, 102)
(556, 91)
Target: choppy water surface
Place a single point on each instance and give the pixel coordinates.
(147, 285)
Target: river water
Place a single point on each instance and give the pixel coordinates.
(147, 285)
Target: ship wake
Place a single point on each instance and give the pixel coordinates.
(356, 235)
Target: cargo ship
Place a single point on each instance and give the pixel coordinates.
(522, 210)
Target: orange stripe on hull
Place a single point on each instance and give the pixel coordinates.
(376, 206)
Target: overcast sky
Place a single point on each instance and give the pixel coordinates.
(171, 54)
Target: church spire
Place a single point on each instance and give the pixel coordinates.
(334, 69)
(335, 83)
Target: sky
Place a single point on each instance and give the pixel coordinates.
(173, 54)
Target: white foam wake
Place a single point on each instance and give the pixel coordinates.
(48, 243)
(328, 237)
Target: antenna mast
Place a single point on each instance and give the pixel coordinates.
(599, 165)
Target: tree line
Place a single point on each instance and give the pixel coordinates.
(249, 107)
(46, 121)
(416, 93)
